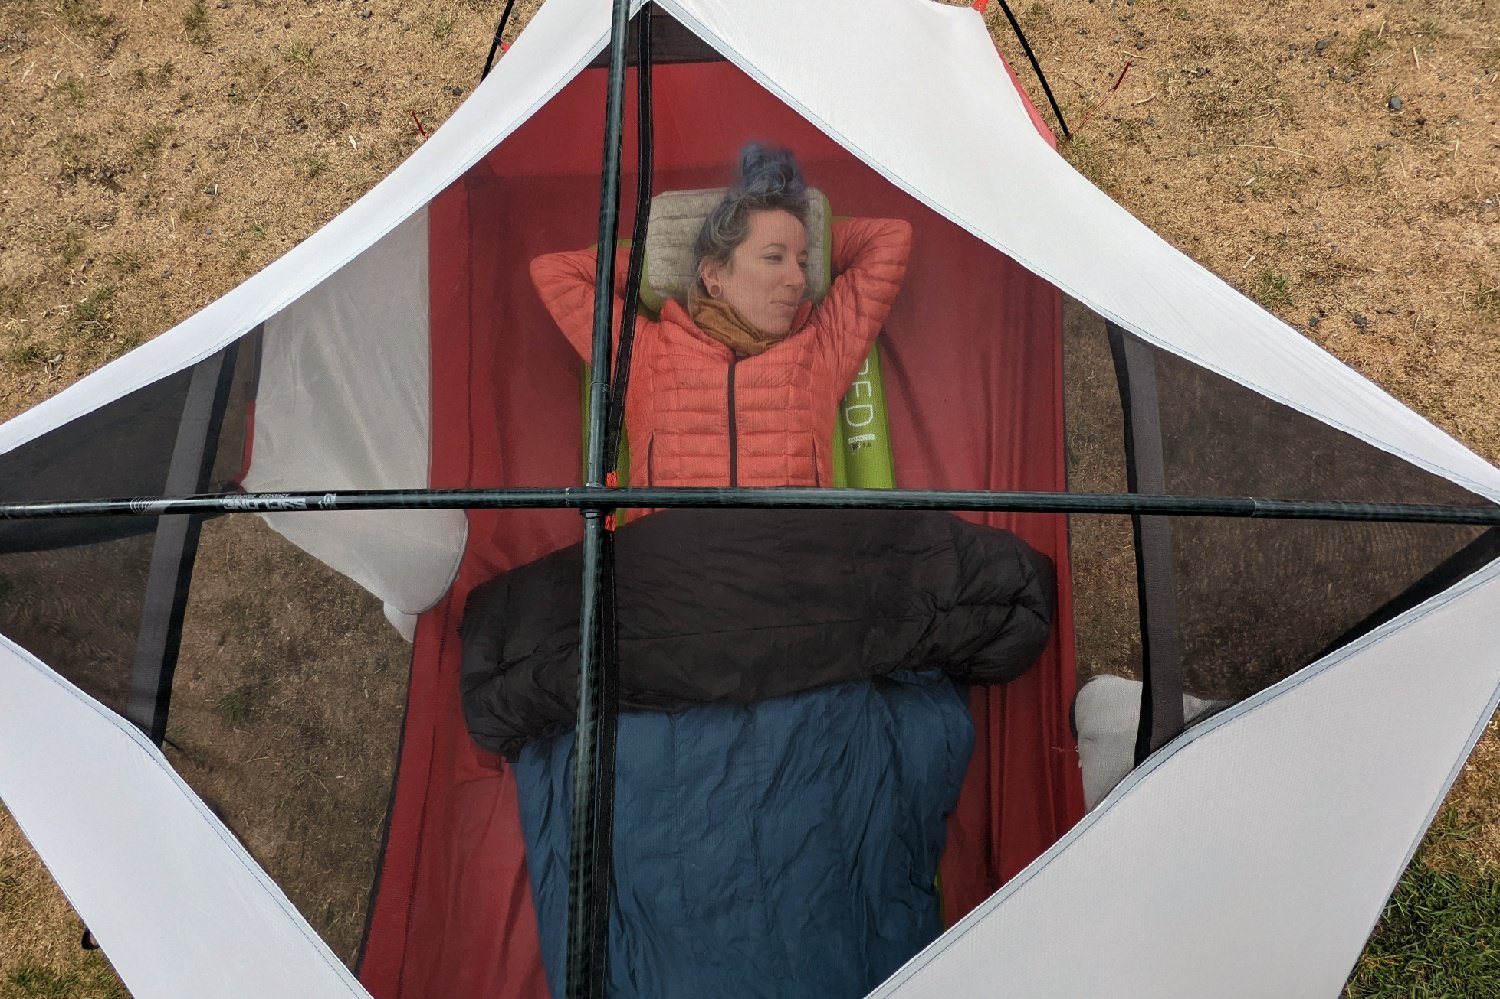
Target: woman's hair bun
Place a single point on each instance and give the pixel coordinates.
(769, 172)
(770, 180)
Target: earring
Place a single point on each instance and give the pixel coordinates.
(714, 290)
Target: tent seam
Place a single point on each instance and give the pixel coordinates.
(220, 831)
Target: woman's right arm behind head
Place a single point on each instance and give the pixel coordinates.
(565, 282)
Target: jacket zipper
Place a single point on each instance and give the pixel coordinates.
(651, 460)
(734, 444)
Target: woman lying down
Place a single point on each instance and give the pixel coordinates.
(793, 730)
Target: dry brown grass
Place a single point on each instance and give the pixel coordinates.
(153, 155)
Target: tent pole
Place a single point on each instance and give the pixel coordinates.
(1481, 513)
(588, 875)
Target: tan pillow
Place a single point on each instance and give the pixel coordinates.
(676, 217)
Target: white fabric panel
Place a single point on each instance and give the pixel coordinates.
(560, 40)
(965, 146)
(343, 403)
(1251, 856)
(177, 904)
(1107, 713)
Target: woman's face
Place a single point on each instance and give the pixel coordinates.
(767, 274)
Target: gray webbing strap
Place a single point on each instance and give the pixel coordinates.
(1156, 580)
(176, 545)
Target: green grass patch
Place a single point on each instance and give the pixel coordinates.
(71, 89)
(195, 23)
(36, 982)
(299, 54)
(238, 706)
(24, 354)
(92, 318)
(142, 78)
(1272, 289)
(1368, 42)
(83, 17)
(150, 143)
(1440, 932)
(124, 261)
(70, 245)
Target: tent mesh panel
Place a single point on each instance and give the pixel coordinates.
(290, 685)
(1257, 600)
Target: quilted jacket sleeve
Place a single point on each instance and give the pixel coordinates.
(565, 282)
(869, 264)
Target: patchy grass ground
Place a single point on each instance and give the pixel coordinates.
(1335, 160)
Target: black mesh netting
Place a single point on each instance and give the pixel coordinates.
(1257, 599)
(289, 688)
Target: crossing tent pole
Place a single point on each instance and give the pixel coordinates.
(588, 874)
(632, 297)
(1481, 513)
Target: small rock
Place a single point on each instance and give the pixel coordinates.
(365, 13)
(167, 273)
(456, 91)
(1117, 39)
(1361, 322)
(1312, 323)
(1347, 77)
(1140, 45)
(1323, 43)
(1394, 103)
(1192, 151)
(1151, 119)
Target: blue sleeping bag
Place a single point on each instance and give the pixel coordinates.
(786, 848)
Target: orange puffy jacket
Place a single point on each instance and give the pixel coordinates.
(699, 416)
